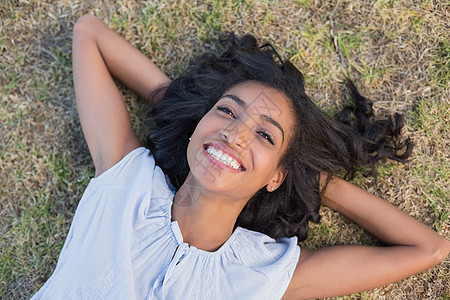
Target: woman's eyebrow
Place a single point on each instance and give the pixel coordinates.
(275, 123)
(242, 104)
(236, 99)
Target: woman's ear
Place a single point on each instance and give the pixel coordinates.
(277, 179)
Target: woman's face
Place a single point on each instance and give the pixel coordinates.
(236, 147)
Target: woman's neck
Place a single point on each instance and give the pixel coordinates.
(206, 219)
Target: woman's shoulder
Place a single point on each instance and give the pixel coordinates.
(136, 172)
(259, 250)
(259, 254)
(138, 163)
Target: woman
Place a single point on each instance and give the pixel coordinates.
(247, 167)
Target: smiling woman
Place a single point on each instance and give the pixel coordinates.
(240, 161)
(240, 127)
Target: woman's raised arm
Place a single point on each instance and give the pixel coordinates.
(342, 270)
(98, 55)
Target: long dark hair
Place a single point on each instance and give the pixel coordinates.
(320, 145)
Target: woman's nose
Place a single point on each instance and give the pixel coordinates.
(237, 133)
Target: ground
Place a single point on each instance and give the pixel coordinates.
(397, 52)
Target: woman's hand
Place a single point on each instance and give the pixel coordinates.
(98, 55)
(341, 270)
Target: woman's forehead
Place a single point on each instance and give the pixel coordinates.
(261, 99)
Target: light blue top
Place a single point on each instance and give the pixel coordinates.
(122, 241)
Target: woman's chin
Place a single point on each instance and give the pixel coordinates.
(213, 180)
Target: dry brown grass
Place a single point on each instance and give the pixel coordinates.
(398, 51)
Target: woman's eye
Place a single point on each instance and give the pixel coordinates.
(227, 111)
(266, 136)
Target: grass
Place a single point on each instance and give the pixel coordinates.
(397, 51)
(34, 245)
(441, 68)
(433, 170)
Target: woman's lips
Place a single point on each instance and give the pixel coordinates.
(222, 156)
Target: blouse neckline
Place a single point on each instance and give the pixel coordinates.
(179, 239)
(175, 227)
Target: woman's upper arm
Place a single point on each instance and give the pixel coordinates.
(343, 270)
(98, 55)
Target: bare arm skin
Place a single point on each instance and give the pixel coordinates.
(98, 55)
(343, 270)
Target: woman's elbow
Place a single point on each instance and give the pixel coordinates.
(443, 250)
(85, 24)
(438, 251)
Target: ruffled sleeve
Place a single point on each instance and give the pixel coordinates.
(136, 172)
(276, 259)
(138, 160)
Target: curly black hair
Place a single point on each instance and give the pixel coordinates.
(320, 145)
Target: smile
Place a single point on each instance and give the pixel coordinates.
(224, 158)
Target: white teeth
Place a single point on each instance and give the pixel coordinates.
(223, 157)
